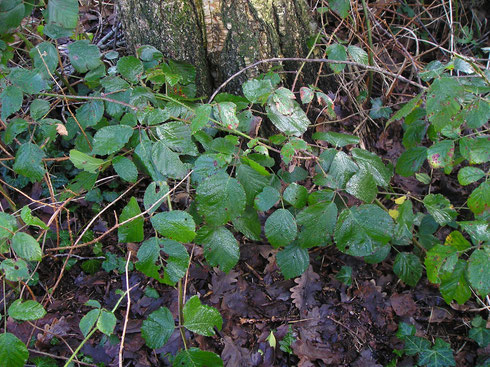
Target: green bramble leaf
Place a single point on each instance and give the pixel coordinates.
(317, 223)
(436, 258)
(410, 161)
(133, 230)
(26, 311)
(479, 200)
(280, 228)
(440, 208)
(337, 52)
(29, 219)
(130, 68)
(296, 195)
(106, 322)
(294, 123)
(479, 271)
(476, 150)
(125, 168)
(468, 175)
(336, 139)
(360, 231)
(220, 199)
(158, 328)
(408, 268)
(220, 247)
(293, 261)
(362, 186)
(61, 18)
(85, 161)
(13, 353)
(441, 154)
(111, 139)
(90, 113)
(194, 357)
(11, 98)
(26, 247)
(84, 56)
(45, 59)
(201, 319)
(454, 285)
(29, 81)
(266, 199)
(11, 14)
(176, 225)
(88, 321)
(257, 91)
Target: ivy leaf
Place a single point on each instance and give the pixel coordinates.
(363, 230)
(133, 230)
(11, 98)
(266, 199)
(131, 68)
(220, 247)
(194, 357)
(362, 186)
(410, 161)
(479, 271)
(440, 355)
(468, 175)
(176, 225)
(106, 322)
(338, 140)
(125, 168)
(28, 162)
(13, 353)
(84, 56)
(280, 228)
(220, 199)
(408, 268)
(479, 200)
(26, 311)
(158, 328)
(85, 161)
(111, 139)
(293, 261)
(440, 208)
(318, 224)
(26, 247)
(377, 109)
(201, 319)
(415, 344)
(29, 219)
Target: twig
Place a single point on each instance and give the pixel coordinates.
(302, 59)
(126, 317)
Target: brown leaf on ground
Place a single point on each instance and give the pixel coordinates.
(403, 304)
(303, 294)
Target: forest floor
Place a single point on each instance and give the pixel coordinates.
(332, 324)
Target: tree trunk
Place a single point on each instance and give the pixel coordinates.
(220, 37)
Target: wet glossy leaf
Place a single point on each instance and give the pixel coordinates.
(133, 230)
(293, 261)
(111, 139)
(257, 91)
(176, 225)
(125, 168)
(360, 231)
(454, 285)
(13, 353)
(201, 319)
(296, 195)
(295, 123)
(220, 247)
(84, 56)
(281, 228)
(440, 355)
(266, 199)
(158, 328)
(26, 311)
(468, 175)
(408, 268)
(220, 199)
(344, 275)
(130, 68)
(166, 162)
(177, 136)
(436, 257)
(440, 208)
(362, 186)
(194, 357)
(26, 247)
(336, 139)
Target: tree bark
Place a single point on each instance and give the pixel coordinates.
(220, 37)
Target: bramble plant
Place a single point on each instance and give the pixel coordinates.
(138, 117)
